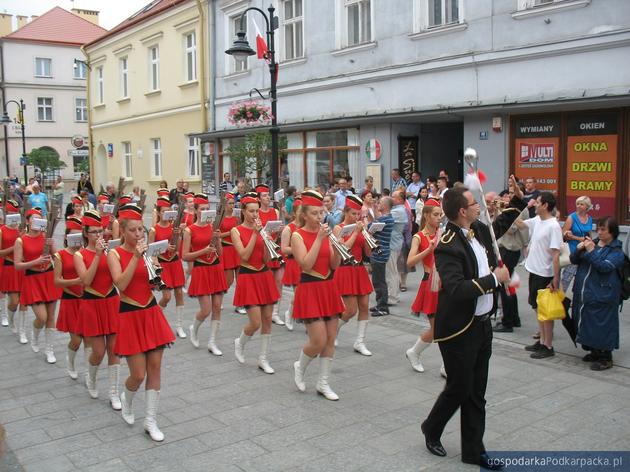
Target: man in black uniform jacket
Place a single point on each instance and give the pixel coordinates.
(470, 277)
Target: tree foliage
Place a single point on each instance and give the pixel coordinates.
(45, 159)
(251, 157)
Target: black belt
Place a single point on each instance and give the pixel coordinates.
(224, 244)
(425, 277)
(35, 272)
(125, 307)
(67, 296)
(249, 270)
(175, 258)
(482, 318)
(203, 264)
(92, 296)
(307, 278)
(8, 262)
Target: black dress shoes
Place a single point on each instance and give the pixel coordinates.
(501, 328)
(485, 462)
(434, 447)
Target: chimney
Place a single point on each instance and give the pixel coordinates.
(6, 24)
(90, 15)
(33, 17)
(21, 20)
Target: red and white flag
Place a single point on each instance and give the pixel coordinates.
(261, 44)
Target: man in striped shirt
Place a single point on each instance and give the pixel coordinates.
(379, 261)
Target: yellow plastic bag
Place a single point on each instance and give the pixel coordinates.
(550, 305)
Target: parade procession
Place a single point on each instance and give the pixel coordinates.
(391, 252)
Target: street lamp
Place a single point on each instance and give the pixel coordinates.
(7, 120)
(241, 50)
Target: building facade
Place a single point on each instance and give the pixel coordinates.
(369, 85)
(40, 64)
(148, 88)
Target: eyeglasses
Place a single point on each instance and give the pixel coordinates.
(475, 202)
(98, 231)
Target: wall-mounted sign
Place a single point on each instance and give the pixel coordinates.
(373, 149)
(407, 156)
(110, 150)
(78, 141)
(483, 135)
(536, 151)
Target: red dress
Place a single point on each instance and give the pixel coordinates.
(69, 319)
(317, 296)
(100, 299)
(207, 276)
(255, 284)
(38, 284)
(292, 271)
(11, 280)
(229, 256)
(354, 280)
(142, 324)
(265, 216)
(426, 300)
(172, 269)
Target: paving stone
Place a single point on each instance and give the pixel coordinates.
(55, 464)
(229, 455)
(52, 449)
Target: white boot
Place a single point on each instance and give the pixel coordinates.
(359, 344)
(288, 318)
(339, 326)
(87, 353)
(126, 400)
(70, 356)
(443, 371)
(50, 353)
(114, 394)
(275, 318)
(263, 363)
(299, 369)
(12, 325)
(322, 383)
(35, 339)
(179, 311)
(152, 400)
(194, 330)
(212, 344)
(22, 327)
(4, 315)
(413, 355)
(90, 380)
(239, 347)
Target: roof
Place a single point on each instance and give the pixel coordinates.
(151, 9)
(58, 26)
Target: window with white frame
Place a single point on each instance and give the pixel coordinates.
(80, 109)
(293, 29)
(190, 56)
(43, 67)
(358, 21)
(44, 109)
(101, 84)
(154, 68)
(156, 157)
(126, 160)
(430, 14)
(239, 64)
(123, 64)
(80, 69)
(192, 145)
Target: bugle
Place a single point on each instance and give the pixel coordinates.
(346, 257)
(272, 248)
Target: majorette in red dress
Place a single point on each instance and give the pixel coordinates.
(354, 280)
(142, 325)
(207, 276)
(172, 269)
(265, 216)
(255, 284)
(229, 256)
(11, 280)
(426, 300)
(69, 318)
(292, 271)
(38, 284)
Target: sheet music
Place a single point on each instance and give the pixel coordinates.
(158, 247)
(39, 224)
(347, 230)
(273, 226)
(75, 240)
(376, 227)
(169, 215)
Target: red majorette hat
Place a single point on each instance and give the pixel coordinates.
(91, 218)
(163, 202)
(130, 212)
(250, 197)
(73, 223)
(312, 198)
(34, 212)
(13, 206)
(262, 188)
(354, 202)
(200, 199)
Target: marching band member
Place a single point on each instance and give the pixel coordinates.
(423, 245)
(187, 220)
(106, 218)
(229, 256)
(353, 282)
(267, 213)
(207, 281)
(172, 269)
(143, 332)
(69, 318)
(100, 303)
(123, 200)
(317, 300)
(292, 271)
(38, 284)
(11, 280)
(255, 286)
(164, 193)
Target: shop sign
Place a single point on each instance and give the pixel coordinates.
(373, 149)
(78, 141)
(407, 156)
(110, 150)
(592, 161)
(536, 151)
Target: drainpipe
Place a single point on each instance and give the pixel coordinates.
(202, 69)
(213, 92)
(89, 110)
(4, 107)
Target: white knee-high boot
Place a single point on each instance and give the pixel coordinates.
(114, 393)
(239, 347)
(35, 339)
(194, 330)
(48, 340)
(22, 327)
(179, 312)
(263, 362)
(413, 354)
(90, 380)
(5, 311)
(323, 388)
(12, 324)
(359, 344)
(275, 318)
(288, 315)
(340, 325)
(126, 399)
(70, 357)
(299, 369)
(152, 399)
(212, 342)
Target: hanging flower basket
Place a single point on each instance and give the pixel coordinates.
(249, 113)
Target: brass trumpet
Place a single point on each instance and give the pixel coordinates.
(272, 247)
(371, 242)
(346, 257)
(154, 272)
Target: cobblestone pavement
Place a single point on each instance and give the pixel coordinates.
(222, 416)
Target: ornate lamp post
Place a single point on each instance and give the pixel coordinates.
(6, 120)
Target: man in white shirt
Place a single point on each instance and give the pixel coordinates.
(340, 195)
(413, 188)
(442, 184)
(543, 264)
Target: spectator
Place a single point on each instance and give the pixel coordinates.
(332, 215)
(163, 184)
(110, 190)
(399, 214)
(379, 261)
(85, 201)
(530, 195)
(321, 188)
(84, 183)
(226, 184)
(444, 173)
(186, 187)
(175, 193)
(288, 203)
(58, 189)
(442, 186)
(423, 196)
(135, 194)
(577, 227)
(397, 181)
(369, 184)
(543, 265)
(369, 202)
(386, 192)
(340, 195)
(413, 189)
(38, 199)
(350, 185)
(239, 190)
(597, 291)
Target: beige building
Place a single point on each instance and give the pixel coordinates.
(148, 80)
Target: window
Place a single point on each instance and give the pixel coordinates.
(359, 22)
(127, 168)
(101, 85)
(154, 68)
(190, 49)
(550, 5)
(193, 156)
(80, 109)
(293, 29)
(80, 69)
(443, 12)
(238, 64)
(124, 77)
(156, 157)
(44, 109)
(43, 67)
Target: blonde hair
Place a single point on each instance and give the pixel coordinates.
(584, 199)
(426, 211)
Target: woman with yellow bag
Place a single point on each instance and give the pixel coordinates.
(597, 293)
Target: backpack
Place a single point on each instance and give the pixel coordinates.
(624, 273)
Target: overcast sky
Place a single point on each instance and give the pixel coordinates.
(111, 13)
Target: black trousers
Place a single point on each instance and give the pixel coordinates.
(466, 359)
(380, 285)
(509, 302)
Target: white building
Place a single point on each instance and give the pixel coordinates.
(38, 66)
